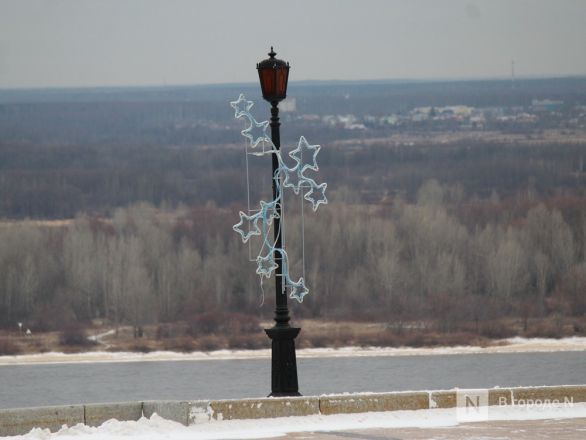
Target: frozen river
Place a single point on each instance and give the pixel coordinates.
(70, 383)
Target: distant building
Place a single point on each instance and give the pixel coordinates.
(419, 114)
(288, 105)
(546, 105)
(460, 110)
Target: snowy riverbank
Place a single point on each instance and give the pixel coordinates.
(512, 345)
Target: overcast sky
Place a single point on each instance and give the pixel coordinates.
(151, 42)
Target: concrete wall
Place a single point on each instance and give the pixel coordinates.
(20, 421)
(264, 408)
(96, 414)
(184, 412)
(357, 403)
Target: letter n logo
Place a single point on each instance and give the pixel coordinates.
(471, 405)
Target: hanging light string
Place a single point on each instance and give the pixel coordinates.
(260, 222)
(248, 202)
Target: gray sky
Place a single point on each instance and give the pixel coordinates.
(151, 42)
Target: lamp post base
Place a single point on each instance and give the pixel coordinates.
(284, 363)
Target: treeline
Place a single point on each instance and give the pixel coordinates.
(57, 182)
(444, 258)
(134, 268)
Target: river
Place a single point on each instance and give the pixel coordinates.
(71, 383)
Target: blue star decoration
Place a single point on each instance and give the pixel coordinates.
(265, 265)
(241, 106)
(298, 290)
(305, 155)
(316, 195)
(253, 229)
(257, 132)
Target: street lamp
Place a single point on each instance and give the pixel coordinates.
(274, 74)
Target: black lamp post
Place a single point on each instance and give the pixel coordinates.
(273, 75)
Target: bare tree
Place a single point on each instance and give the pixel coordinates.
(507, 267)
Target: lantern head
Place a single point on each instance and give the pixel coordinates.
(273, 75)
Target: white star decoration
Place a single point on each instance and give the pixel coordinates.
(292, 179)
(241, 106)
(257, 132)
(316, 195)
(305, 156)
(253, 228)
(298, 290)
(266, 265)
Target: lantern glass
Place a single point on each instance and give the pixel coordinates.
(281, 77)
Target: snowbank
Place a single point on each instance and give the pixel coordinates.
(157, 428)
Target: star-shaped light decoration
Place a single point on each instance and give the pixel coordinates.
(305, 155)
(260, 223)
(316, 195)
(298, 290)
(292, 179)
(265, 265)
(253, 229)
(241, 106)
(257, 132)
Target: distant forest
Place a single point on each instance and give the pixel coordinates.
(42, 182)
(118, 204)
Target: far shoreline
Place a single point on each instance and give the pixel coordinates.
(510, 345)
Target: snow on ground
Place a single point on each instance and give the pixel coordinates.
(157, 428)
(512, 345)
